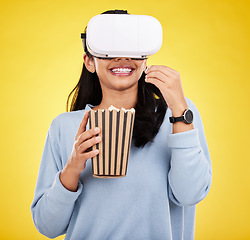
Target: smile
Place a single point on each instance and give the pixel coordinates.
(121, 71)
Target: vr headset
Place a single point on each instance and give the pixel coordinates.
(122, 35)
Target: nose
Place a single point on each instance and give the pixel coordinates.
(122, 58)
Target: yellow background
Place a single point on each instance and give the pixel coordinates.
(41, 60)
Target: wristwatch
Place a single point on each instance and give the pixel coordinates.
(187, 117)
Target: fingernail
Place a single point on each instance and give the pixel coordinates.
(96, 151)
(98, 138)
(97, 129)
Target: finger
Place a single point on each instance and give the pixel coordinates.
(157, 83)
(85, 136)
(161, 67)
(85, 146)
(90, 154)
(164, 69)
(170, 69)
(157, 74)
(83, 124)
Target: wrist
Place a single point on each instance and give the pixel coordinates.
(69, 178)
(182, 127)
(70, 171)
(177, 112)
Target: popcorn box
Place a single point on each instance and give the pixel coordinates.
(116, 131)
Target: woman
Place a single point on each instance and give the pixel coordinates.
(169, 169)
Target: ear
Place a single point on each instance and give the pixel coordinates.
(89, 63)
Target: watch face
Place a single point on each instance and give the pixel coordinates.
(189, 116)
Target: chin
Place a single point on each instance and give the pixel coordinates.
(123, 86)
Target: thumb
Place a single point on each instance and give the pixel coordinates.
(83, 124)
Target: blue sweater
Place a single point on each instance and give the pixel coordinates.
(155, 200)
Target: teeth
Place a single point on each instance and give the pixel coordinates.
(121, 70)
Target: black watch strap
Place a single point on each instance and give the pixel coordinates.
(187, 117)
(176, 119)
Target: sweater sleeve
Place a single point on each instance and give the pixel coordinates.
(190, 173)
(53, 204)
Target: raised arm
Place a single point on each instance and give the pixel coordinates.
(190, 172)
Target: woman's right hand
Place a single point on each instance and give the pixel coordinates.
(81, 152)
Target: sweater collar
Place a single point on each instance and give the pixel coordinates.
(89, 107)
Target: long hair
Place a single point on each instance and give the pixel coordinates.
(150, 107)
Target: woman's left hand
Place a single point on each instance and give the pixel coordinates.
(169, 83)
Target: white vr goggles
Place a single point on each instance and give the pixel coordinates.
(122, 35)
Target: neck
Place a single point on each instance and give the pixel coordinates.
(126, 99)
